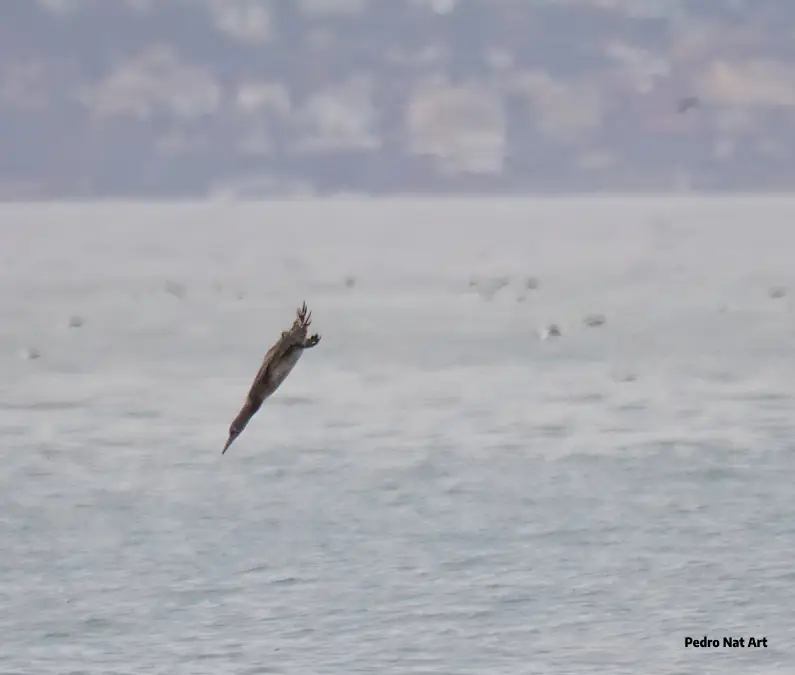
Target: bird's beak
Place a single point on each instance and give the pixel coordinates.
(229, 442)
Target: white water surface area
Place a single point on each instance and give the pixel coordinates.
(435, 489)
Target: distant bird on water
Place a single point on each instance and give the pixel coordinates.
(276, 366)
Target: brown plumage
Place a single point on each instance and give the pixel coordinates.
(276, 366)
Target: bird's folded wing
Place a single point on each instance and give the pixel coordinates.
(276, 352)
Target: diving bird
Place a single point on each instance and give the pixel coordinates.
(276, 366)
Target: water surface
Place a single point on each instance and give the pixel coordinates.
(434, 489)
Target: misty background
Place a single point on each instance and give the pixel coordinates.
(193, 98)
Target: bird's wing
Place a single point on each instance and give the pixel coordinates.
(286, 342)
